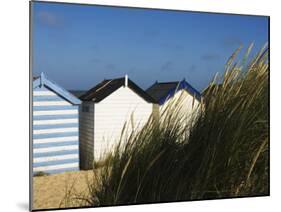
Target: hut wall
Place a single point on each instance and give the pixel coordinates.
(188, 105)
(55, 133)
(122, 107)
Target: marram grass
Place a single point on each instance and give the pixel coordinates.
(221, 152)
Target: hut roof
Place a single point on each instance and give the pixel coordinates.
(42, 80)
(107, 87)
(164, 90)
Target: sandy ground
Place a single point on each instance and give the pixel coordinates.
(53, 191)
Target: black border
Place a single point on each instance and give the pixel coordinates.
(31, 109)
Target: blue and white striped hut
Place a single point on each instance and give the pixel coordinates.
(55, 128)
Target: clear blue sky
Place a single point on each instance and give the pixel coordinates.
(78, 46)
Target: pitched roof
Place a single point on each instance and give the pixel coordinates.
(161, 92)
(107, 87)
(42, 80)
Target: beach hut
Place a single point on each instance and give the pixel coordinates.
(178, 92)
(55, 128)
(105, 110)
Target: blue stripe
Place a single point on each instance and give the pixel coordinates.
(53, 117)
(55, 107)
(54, 126)
(56, 162)
(55, 135)
(60, 170)
(54, 144)
(55, 153)
(47, 98)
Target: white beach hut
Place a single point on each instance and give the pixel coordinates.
(180, 92)
(104, 111)
(55, 128)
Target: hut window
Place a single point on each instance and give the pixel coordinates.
(85, 109)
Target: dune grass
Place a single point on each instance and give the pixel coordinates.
(220, 152)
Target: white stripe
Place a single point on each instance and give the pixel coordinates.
(55, 167)
(53, 140)
(55, 121)
(55, 112)
(43, 93)
(56, 148)
(56, 130)
(51, 103)
(55, 158)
